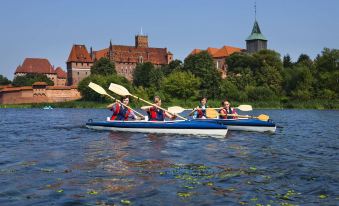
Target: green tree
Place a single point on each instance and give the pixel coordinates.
(287, 62)
(4, 80)
(229, 90)
(260, 93)
(237, 61)
(103, 67)
(142, 74)
(104, 81)
(155, 77)
(172, 66)
(181, 84)
(202, 66)
(29, 79)
(327, 69)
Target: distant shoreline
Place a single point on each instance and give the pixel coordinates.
(319, 104)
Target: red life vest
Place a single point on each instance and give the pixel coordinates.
(201, 112)
(120, 114)
(156, 114)
(232, 111)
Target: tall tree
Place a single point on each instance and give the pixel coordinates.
(4, 80)
(287, 62)
(181, 84)
(172, 66)
(202, 66)
(103, 67)
(143, 73)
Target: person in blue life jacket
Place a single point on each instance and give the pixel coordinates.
(200, 111)
(227, 112)
(156, 114)
(120, 112)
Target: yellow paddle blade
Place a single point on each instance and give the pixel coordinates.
(263, 117)
(118, 89)
(97, 88)
(212, 113)
(245, 107)
(176, 109)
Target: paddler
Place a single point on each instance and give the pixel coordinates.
(156, 114)
(227, 112)
(200, 110)
(120, 112)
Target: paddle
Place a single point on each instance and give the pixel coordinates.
(177, 109)
(122, 91)
(102, 91)
(211, 113)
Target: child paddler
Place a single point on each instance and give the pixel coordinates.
(120, 112)
(200, 111)
(156, 114)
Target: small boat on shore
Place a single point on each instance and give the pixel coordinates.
(244, 124)
(201, 128)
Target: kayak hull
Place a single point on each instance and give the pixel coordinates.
(251, 125)
(163, 127)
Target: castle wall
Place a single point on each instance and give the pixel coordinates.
(21, 95)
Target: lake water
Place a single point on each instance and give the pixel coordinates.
(48, 157)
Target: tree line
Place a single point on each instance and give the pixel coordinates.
(261, 76)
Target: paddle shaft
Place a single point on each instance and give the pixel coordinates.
(147, 102)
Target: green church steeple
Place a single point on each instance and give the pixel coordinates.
(256, 33)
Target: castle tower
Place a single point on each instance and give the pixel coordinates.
(79, 64)
(141, 41)
(256, 41)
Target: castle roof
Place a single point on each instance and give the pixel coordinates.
(132, 54)
(256, 33)
(61, 74)
(223, 52)
(35, 65)
(79, 53)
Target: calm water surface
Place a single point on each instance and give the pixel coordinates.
(48, 157)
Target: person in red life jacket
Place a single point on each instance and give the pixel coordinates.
(200, 111)
(156, 114)
(120, 112)
(227, 110)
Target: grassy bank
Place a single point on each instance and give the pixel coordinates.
(295, 104)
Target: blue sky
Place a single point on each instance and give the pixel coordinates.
(48, 29)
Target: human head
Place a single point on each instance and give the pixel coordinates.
(125, 100)
(157, 100)
(203, 101)
(226, 104)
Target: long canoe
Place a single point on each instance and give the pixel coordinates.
(252, 125)
(165, 127)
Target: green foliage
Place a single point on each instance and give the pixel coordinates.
(4, 80)
(29, 79)
(143, 74)
(181, 84)
(104, 81)
(269, 76)
(260, 93)
(175, 65)
(327, 68)
(155, 77)
(287, 62)
(241, 60)
(201, 65)
(242, 78)
(103, 67)
(228, 90)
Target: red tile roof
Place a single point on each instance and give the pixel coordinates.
(224, 51)
(35, 65)
(131, 54)
(79, 53)
(61, 74)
